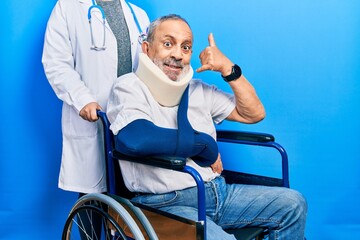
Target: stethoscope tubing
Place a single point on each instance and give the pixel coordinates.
(94, 5)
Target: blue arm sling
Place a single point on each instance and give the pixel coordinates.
(142, 138)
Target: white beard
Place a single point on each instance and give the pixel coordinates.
(184, 71)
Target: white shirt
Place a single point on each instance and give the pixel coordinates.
(131, 100)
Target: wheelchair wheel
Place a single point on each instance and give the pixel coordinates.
(92, 218)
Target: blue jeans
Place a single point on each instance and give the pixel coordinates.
(228, 206)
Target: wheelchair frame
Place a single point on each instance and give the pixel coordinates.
(130, 212)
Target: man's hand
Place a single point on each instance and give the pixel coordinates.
(213, 59)
(217, 166)
(88, 112)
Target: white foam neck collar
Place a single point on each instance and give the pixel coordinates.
(165, 91)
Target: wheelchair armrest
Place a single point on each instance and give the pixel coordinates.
(230, 136)
(250, 179)
(258, 139)
(168, 162)
(226, 135)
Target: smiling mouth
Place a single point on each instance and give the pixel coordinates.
(174, 67)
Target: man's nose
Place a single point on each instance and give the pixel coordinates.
(177, 53)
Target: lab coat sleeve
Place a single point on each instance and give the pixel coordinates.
(59, 63)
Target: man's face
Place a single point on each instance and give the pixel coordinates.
(171, 48)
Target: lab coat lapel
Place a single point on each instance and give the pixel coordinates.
(133, 31)
(129, 18)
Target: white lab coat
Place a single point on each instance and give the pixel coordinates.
(79, 76)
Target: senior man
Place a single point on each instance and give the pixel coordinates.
(148, 108)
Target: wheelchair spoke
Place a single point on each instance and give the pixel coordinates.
(91, 222)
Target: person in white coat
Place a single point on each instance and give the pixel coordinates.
(82, 77)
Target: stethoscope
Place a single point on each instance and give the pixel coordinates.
(142, 35)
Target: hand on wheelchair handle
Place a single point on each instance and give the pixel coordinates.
(89, 112)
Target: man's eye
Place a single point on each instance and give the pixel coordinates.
(167, 44)
(187, 47)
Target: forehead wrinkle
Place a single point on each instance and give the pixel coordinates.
(187, 39)
(174, 33)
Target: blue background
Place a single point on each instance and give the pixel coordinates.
(303, 57)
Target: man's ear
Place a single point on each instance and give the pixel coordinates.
(145, 47)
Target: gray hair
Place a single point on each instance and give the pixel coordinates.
(154, 24)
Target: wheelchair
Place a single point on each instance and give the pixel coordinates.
(112, 215)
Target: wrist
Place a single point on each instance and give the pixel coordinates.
(227, 69)
(234, 73)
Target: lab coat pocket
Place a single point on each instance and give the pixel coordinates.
(74, 126)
